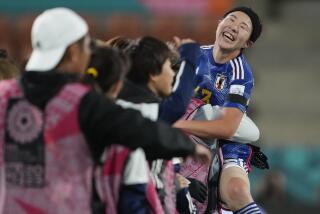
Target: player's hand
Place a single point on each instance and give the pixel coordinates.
(178, 42)
(179, 124)
(202, 154)
(182, 181)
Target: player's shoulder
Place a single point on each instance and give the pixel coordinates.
(240, 68)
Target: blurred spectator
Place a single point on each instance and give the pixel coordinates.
(274, 199)
(274, 186)
(8, 68)
(272, 192)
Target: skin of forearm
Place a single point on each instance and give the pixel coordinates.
(223, 128)
(206, 129)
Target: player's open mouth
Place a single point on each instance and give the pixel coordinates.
(229, 36)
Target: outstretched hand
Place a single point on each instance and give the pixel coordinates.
(178, 42)
(202, 154)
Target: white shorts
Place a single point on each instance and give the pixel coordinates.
(240, 163)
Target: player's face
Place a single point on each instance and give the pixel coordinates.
(234, 31)
(85, 54)
(81, 53)
(163, 81)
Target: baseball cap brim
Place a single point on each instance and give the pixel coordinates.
(44, 60)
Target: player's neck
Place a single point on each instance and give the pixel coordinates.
(152, 88)
(222, 56)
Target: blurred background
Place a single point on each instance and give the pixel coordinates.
(285, 60)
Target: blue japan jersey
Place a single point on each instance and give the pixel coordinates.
(227, 85)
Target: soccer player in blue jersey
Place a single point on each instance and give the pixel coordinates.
(225, 79)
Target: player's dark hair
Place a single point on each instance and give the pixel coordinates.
(147, 57)
(255, 20)
(107, 66)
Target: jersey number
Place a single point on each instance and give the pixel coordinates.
(206, 95)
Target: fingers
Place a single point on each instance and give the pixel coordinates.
(178, 124)
(178, 42)
(188, 40)
(203, 154)
(183, 182)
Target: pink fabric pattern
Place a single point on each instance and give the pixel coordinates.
(68, 164)
(192, 168)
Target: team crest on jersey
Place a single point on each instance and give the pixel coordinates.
(220, 81)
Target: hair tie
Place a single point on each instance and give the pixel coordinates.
(93, 72)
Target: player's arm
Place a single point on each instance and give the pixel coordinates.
(234, 108)
(223, 128)
(174, 106)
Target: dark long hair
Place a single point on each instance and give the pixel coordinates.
(107, 66)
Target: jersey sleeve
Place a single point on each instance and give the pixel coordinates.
(240, 86)
(174, 106)
(202, 68)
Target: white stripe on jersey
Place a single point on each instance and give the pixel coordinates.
(241, 66)
(174, 88)
(197, 70)
(233, 71)
(237, 68)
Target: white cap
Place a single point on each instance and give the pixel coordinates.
(53, 31)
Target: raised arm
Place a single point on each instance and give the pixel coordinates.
(104, 123)
(174, 106)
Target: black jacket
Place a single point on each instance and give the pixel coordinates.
(103, 122)
(137, 93)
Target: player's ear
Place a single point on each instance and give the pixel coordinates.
(248, 44)
(153, 77)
